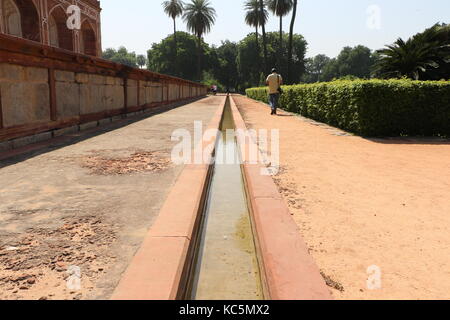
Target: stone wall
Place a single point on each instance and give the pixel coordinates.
(24, 94)
(45, 89)
(81, 94)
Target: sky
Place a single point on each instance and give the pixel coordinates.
(327, 25)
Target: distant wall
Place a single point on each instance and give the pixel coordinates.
(45, 88)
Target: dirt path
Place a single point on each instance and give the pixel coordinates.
(87, 203)
(362, 202)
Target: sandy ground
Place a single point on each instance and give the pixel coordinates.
(362, 203)
(86, 202)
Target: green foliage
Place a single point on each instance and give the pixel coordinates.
(208, 79)
(173, 8)
(314, 68)
(161, 57)
(425, 56)
(233, 65)
(372, 107)
(350, 78)
(141, 60)
(254, 16)
(280, 8)
(356, 61)
(225, 68)
(199, 16)
(121, 56)
(249, 66)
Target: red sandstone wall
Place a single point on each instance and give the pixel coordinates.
(45, 88)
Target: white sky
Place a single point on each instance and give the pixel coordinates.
(328, 25)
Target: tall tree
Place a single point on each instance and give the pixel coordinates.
(255, 17)
(280, 8)
(262, 7)
(141, 61)
(174, 9)
(291, 35)
(199, 17)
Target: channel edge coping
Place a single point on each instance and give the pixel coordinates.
(288, 270)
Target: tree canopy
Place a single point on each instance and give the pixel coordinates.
(239, 65)
(161, 56)
(199, 16)
(356, 62)
(121, 56)
(315, 67)
(249, 69)
(173, 8)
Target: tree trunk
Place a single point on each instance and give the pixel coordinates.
(199, 58)
(263, 27)
(257, 41)
(280, 45)
(175, 53)
(291, 37)
(175, 33)
(258, 58)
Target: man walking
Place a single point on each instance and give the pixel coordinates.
(274, 81)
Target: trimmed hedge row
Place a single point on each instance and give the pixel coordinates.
(371, 107)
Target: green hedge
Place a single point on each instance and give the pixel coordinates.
(371, 107)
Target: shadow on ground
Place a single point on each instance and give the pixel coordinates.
(22, 154)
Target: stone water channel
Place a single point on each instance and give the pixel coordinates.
(226, 264)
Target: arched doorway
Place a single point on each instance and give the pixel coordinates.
(29, 19)
(11, 18)
(59, 35)
(88, 39)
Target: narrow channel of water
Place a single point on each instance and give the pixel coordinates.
(226, 267)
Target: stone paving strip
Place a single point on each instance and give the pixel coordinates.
(74, 212)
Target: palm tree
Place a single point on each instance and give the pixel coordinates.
(280, 8)
(291, 37)
(174, 9)
(199, 17)
(255, 17)
(425, 56)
